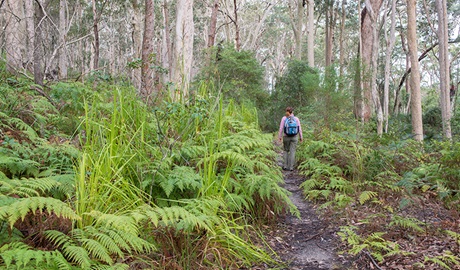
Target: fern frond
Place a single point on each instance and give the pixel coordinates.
(366, 195)
(17, 166)
(21, 207)
(123, 223)
(407, 223)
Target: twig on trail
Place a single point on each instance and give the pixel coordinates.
(313, 236)
(372, 259)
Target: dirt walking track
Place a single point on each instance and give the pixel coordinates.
(307, 243)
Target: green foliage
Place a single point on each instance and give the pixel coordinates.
(239, 77)
(22, 256)
(447, 260)
(374, 243)
(19, 208)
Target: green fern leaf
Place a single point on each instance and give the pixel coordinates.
(20, 208)
(367, 195)
(78, 255)
(97, 250)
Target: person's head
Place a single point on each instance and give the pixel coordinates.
(289, 111)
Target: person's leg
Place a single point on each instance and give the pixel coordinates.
(286, 146)
(291, 156)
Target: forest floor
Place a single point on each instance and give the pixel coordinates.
(308, 243)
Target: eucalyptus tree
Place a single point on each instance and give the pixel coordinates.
(183, 46)
(416, 99)
(311, 33)
(444, 85)
(369, 47)
(147, 84)
(14, 35)
(62, 39)
(390, 42)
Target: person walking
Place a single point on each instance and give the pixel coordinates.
(290, 132)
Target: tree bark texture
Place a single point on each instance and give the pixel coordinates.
(369, 22)
(341, 40)
(38, 49)
(14, 35)
(237, 27)
(390, 42)
(30, 25)
(330, 24)
(416, 102)
(311, 33)
(298, 30)
(96, 37)
(443, 36)
(167, 50)
(136, 35)
(62, 40)
(147, 83)
(213, 24)
(184, 45)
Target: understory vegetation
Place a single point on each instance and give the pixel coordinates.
(97, 179)
(93, 178)
(395, 200)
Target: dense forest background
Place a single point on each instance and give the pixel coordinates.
(132, 132)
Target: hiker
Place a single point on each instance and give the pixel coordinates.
(290, 126)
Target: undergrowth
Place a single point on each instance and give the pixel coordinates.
(97, 179)
(392, 195)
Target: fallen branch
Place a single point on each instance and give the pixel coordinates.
(372, 260)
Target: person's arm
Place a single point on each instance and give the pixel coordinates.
(281, 129)
(300, 129)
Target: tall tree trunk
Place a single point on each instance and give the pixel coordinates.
(330, 23)
(136, 35)
(14, 35)
(96, 37)
(369, 46)
(62, 40)
(298, 30)
(358, 103)
(213, 24)
(167, 50)
(38, 49)
(443, 36)
(237, 27)
(184, 45)
(311, 33)
(416, 102)
(390, 41)
(341, 41)
(30, 25)
(147, 84)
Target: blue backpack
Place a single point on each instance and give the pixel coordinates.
(290, 126)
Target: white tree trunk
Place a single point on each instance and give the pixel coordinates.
(29, 12)
(183, 46)
(416, 102)
(311, 33)
(62, 40)
(390, 41)
(443, 36)
(147, 51)
(136, 34)
(167, 49)
(14, 33)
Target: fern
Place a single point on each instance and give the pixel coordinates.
(407, 223)
(366, 196)
(22, 256)
(18, 166)
(181, 178)
(444, 260)
(21, 207)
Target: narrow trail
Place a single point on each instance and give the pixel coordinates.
(307, 243)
